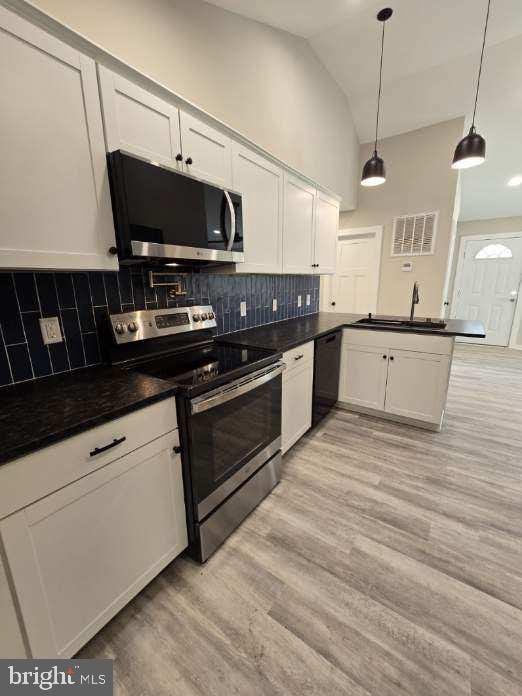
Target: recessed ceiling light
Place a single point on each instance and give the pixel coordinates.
(515, 180)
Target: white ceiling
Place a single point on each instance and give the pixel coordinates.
(431, 60)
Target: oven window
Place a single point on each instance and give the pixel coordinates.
(227, 436)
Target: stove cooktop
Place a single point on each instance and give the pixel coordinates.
(204, 365)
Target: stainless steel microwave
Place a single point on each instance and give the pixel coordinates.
(160, 214)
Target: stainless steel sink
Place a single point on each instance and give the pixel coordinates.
(406, 323)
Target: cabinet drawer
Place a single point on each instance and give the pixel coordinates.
(299, 355)
(29, 478)
(442, 345)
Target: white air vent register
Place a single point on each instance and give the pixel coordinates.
(414, 235)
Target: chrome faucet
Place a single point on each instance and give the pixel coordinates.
(414, 299)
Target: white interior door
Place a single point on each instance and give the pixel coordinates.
(487, 285)
(354, 286)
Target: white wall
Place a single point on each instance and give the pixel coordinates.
(419, 179)
(265, 83)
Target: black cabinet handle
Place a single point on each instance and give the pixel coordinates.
(176, 449)
(391, 357)
(113, 251)
(179, 157)
(298, 357)
(188, 160)
(333, 304)
(384, 357)
(114, 443)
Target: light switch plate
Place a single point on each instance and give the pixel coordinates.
(242, 309)
(274, 305)
(299, 301)
(51, 332)
(308, 300)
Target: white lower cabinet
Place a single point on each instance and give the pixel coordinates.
(363, 376)
(297, 394)
(417, 385)
(399, 375)
(77, 556)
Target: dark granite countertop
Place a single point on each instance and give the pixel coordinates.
(39, 413)
(284, 335)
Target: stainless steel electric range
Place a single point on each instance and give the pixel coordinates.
(229, 413)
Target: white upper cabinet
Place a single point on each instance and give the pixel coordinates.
(139, 122)
(207, 153)
(261, 185)
(298, 230)
(54, 191)
(326, 233)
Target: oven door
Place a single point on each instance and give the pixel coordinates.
(232, 432)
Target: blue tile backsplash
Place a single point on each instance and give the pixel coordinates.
(83, 300)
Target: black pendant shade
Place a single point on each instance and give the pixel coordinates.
(374, 171)
(470, 151)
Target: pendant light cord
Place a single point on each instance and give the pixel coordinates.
(379, 90)
(480, 65)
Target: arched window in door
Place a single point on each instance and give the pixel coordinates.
(494, 251)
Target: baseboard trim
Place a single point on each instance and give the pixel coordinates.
(515, 346)
(436, 427)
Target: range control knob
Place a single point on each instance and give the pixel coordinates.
(211, 315)
(119, 328)
(204, 316)
(132, 326)
(196, 317)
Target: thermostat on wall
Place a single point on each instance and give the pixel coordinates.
(407, 267)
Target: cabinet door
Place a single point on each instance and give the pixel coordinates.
(260, 183)
(54, 191)
(296, 416)
(207, 152)
(417, 385)
(326, 233)
(11, 641)
(363, 376)
(298, 228)
(78, 556)
(137, 121)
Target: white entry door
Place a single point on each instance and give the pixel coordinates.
(487, 285)
(355, 285)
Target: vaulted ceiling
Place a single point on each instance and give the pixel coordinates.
(431, 60)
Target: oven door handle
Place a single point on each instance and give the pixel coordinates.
(231, 391)
(230, 244)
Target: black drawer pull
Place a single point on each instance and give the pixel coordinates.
(298, 357)
(114, 443)
(384, 357)
(176, 449)
(391, 357)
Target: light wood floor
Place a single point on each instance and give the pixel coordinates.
(388, 561)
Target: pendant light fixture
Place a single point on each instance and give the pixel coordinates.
(374, 171)
(471, 150)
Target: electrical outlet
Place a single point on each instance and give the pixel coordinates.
(274, 305)
(50, 328)
(308, 300)
(242, 309)
(299, 301)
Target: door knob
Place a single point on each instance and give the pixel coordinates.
(512, 299)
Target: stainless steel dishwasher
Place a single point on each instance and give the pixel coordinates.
(326, 374)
